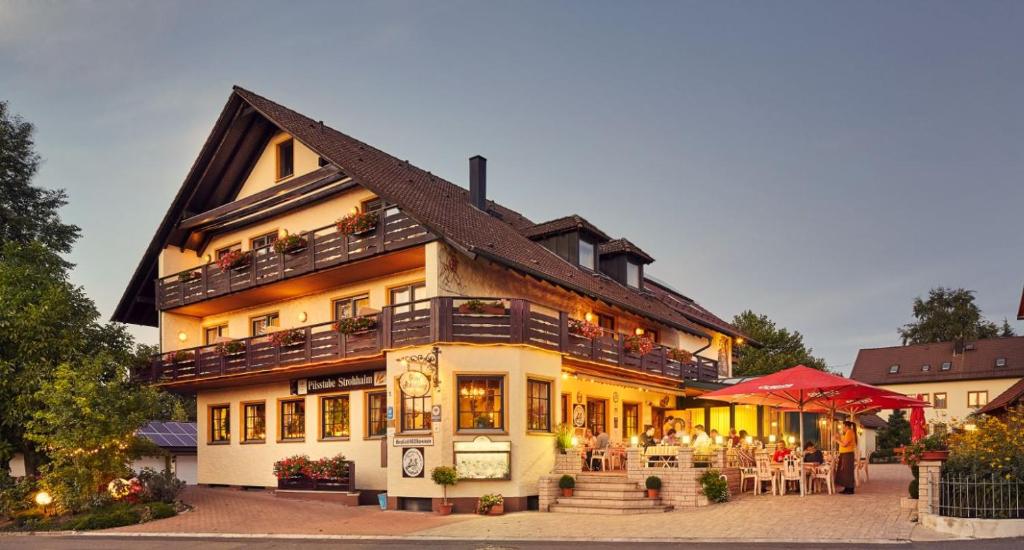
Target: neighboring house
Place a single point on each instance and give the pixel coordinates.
(868, 434)
(1012, 397)
(327, 347)
(16, 465)
(957, 380)
(178, 439)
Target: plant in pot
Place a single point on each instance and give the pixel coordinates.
(640, 345)
(567, 483)
(579, 327)
(354, 325)
(494, 307)
(357, 223)
(284, 338)
(290, 244)
(714, 485)
(234, 347)
(563, 438)
(179, 356)
(680, 355)
(653, 485)
(491, 505)
(445, 476)
(188, 276)
(234, 259)
(932, 447)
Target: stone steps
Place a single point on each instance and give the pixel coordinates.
(563, 508)
(609, 495)
(610, 502)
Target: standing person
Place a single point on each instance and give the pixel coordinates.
(846, 473)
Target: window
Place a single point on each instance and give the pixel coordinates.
(349, 307)
(587, 256)
(261, 245)
(596, 415)
(373, 204)
(538, 405)
(260, 324)
(607, 322)
(926, 397)
(893, 369)
(633, 274)
(222, 251)
(409, 293)
(926, 368)
(1000, 361)
(376, 414)
(481, 402)
(947, 365)
(940, 400)
(321, 162)
(285, 159)
(293, 420)
(211, 334)
(565, 408)
(255, 415)
(220, 424)
(415, 413)
(334, 417)
(630, 420)
(652, 334)
(977, 399)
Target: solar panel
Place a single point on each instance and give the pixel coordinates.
(170, 434)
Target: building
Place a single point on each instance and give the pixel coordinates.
(178, 440)
(957, 380)
(431, 326)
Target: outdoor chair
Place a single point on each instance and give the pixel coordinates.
(792, 470)
(862, 468)
(822, 473)
(599, 456)
(763, 472)
(747, 467)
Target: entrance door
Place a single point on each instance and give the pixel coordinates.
(658, 420)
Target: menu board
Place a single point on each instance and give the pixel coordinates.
(483, 459)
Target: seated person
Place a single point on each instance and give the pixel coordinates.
(742, 438)
(701, 441)
(647, 438)
(781, 452)
(670, 438)
(812, 455)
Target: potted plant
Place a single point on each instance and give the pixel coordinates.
(354, 325)
(640, 345)
(234, 347)
(290, 244)
(491, 505)
(680, 355)
(582, 328)
(284, 338)
(445, 476)
(357, 223)
(179, 356)
(189, 276)
(234, 260)
(653, 485)
(932, 447)
(496, 307)
(714, 485)
(291, 471)
(563, 438)
(567, 483)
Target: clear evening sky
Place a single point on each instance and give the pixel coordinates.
(821, 162)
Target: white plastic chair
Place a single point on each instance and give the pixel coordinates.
(747, 468)
(792, 470)
(763, 472)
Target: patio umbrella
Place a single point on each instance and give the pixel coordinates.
(862, 398)
(918, 428)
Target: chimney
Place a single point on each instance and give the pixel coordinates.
(478, 182)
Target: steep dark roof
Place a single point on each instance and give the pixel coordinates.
(978, 361)
(1008, 398)
(871, 421)
(1020, 310)
(692, 310)
(441, 206)
(562, 225)
(623, 246)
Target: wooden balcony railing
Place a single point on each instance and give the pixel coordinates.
(442, 319)
(326, 248)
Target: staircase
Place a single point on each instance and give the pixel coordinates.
(610, 495)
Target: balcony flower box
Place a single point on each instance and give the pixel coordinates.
(290, 244)
(189, 276)
(234, 260)
(285, 338)
(357, 224)
(480, 307)
(233, 347)
(355, 325)
(640, 345)
(326, 474)
(180, 356)
(582, 328)
(680, 355)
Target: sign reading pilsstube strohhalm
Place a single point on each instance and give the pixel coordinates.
(338, 382)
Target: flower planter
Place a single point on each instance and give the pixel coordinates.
(445, 509)
(653, 493)
(496, 510)
(567, 492)
(291, 244)
(935, 455)
(482, 309)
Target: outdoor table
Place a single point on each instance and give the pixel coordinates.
(661, 455)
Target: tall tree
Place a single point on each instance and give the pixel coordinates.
(1006, 331)
(896, 431)
(948, 315)
(781, 348)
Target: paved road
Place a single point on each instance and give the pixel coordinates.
(105, 543)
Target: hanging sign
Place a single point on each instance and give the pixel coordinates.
(412, 462)
(414, 383)
(579, 415)
(338, 382)
(413, 441)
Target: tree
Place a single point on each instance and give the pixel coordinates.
(780, 349)
(948, 315)
(1006, 330)
(895, 433)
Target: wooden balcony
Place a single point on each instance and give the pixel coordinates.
(326, 249)
(442, 319)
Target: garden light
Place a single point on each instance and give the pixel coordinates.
(43, 498)
(575, 441)
(634, 441)
(750, 440)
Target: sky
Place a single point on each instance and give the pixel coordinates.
(821, 162)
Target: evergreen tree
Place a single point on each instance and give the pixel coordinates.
(895, 433)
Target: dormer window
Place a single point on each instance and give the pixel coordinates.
(285, 159)
(894, 369)
(588, 257)
(1000, 361)
(926, 368)
(633, 274)
(947, 365)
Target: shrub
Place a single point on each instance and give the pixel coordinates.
(489, 501)
(563, 437)
(913, 488)
(161, 510)
(567, 482)
(445, 476)
(653, 483)
(995, 449)
(118, 515)
(16, 496)
(32, 520)
(933, 442)
(715, 486)
(160, 486)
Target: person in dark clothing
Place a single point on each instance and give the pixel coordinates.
(812, 455)
(647, 438)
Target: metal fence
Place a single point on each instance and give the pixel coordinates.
(985, 497)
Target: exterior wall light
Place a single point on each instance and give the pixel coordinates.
(565, 376)
(182, 336)
(589, 317)
(686, 440)
(750, 440)
(639, 331)
(303, 317)
(634, 441)
(739, 341)
(282, 233)
(575, 441)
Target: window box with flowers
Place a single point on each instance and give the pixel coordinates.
(640, 345)
(285, 338)
(290, 244)
(189, 276)
(233, 347)
(355, 325)
(579, 327)
(357, 223)
(680, 355)
(180, 356)
(326, 474)
(481, 307)
(234, 260)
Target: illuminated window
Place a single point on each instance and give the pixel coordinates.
(481, 402)
(255, 415)
(415, 413)
(409, 293)
(334, 416)
(211, 334)
(349, 307)
(220, 424)
(376, 414)
(285, 159)
(260, 324)
(538, 405)
(630, 420)
(261, 245)
(222, 251)
(977, 399)
(597, 415)
(940, 400)
(293, 420)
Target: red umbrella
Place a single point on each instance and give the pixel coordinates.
(918, 428)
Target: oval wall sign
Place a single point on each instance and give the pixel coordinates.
(414, 383)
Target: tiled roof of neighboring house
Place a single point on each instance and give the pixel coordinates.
(977, 361)
(170, 435)
(562, 225)
(444, 209)
(692, 310)
(1008, 398)
(871, 421)
(623, 246)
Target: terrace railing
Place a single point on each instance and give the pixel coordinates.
(977, 496)
(441, 319)
(325, 248)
